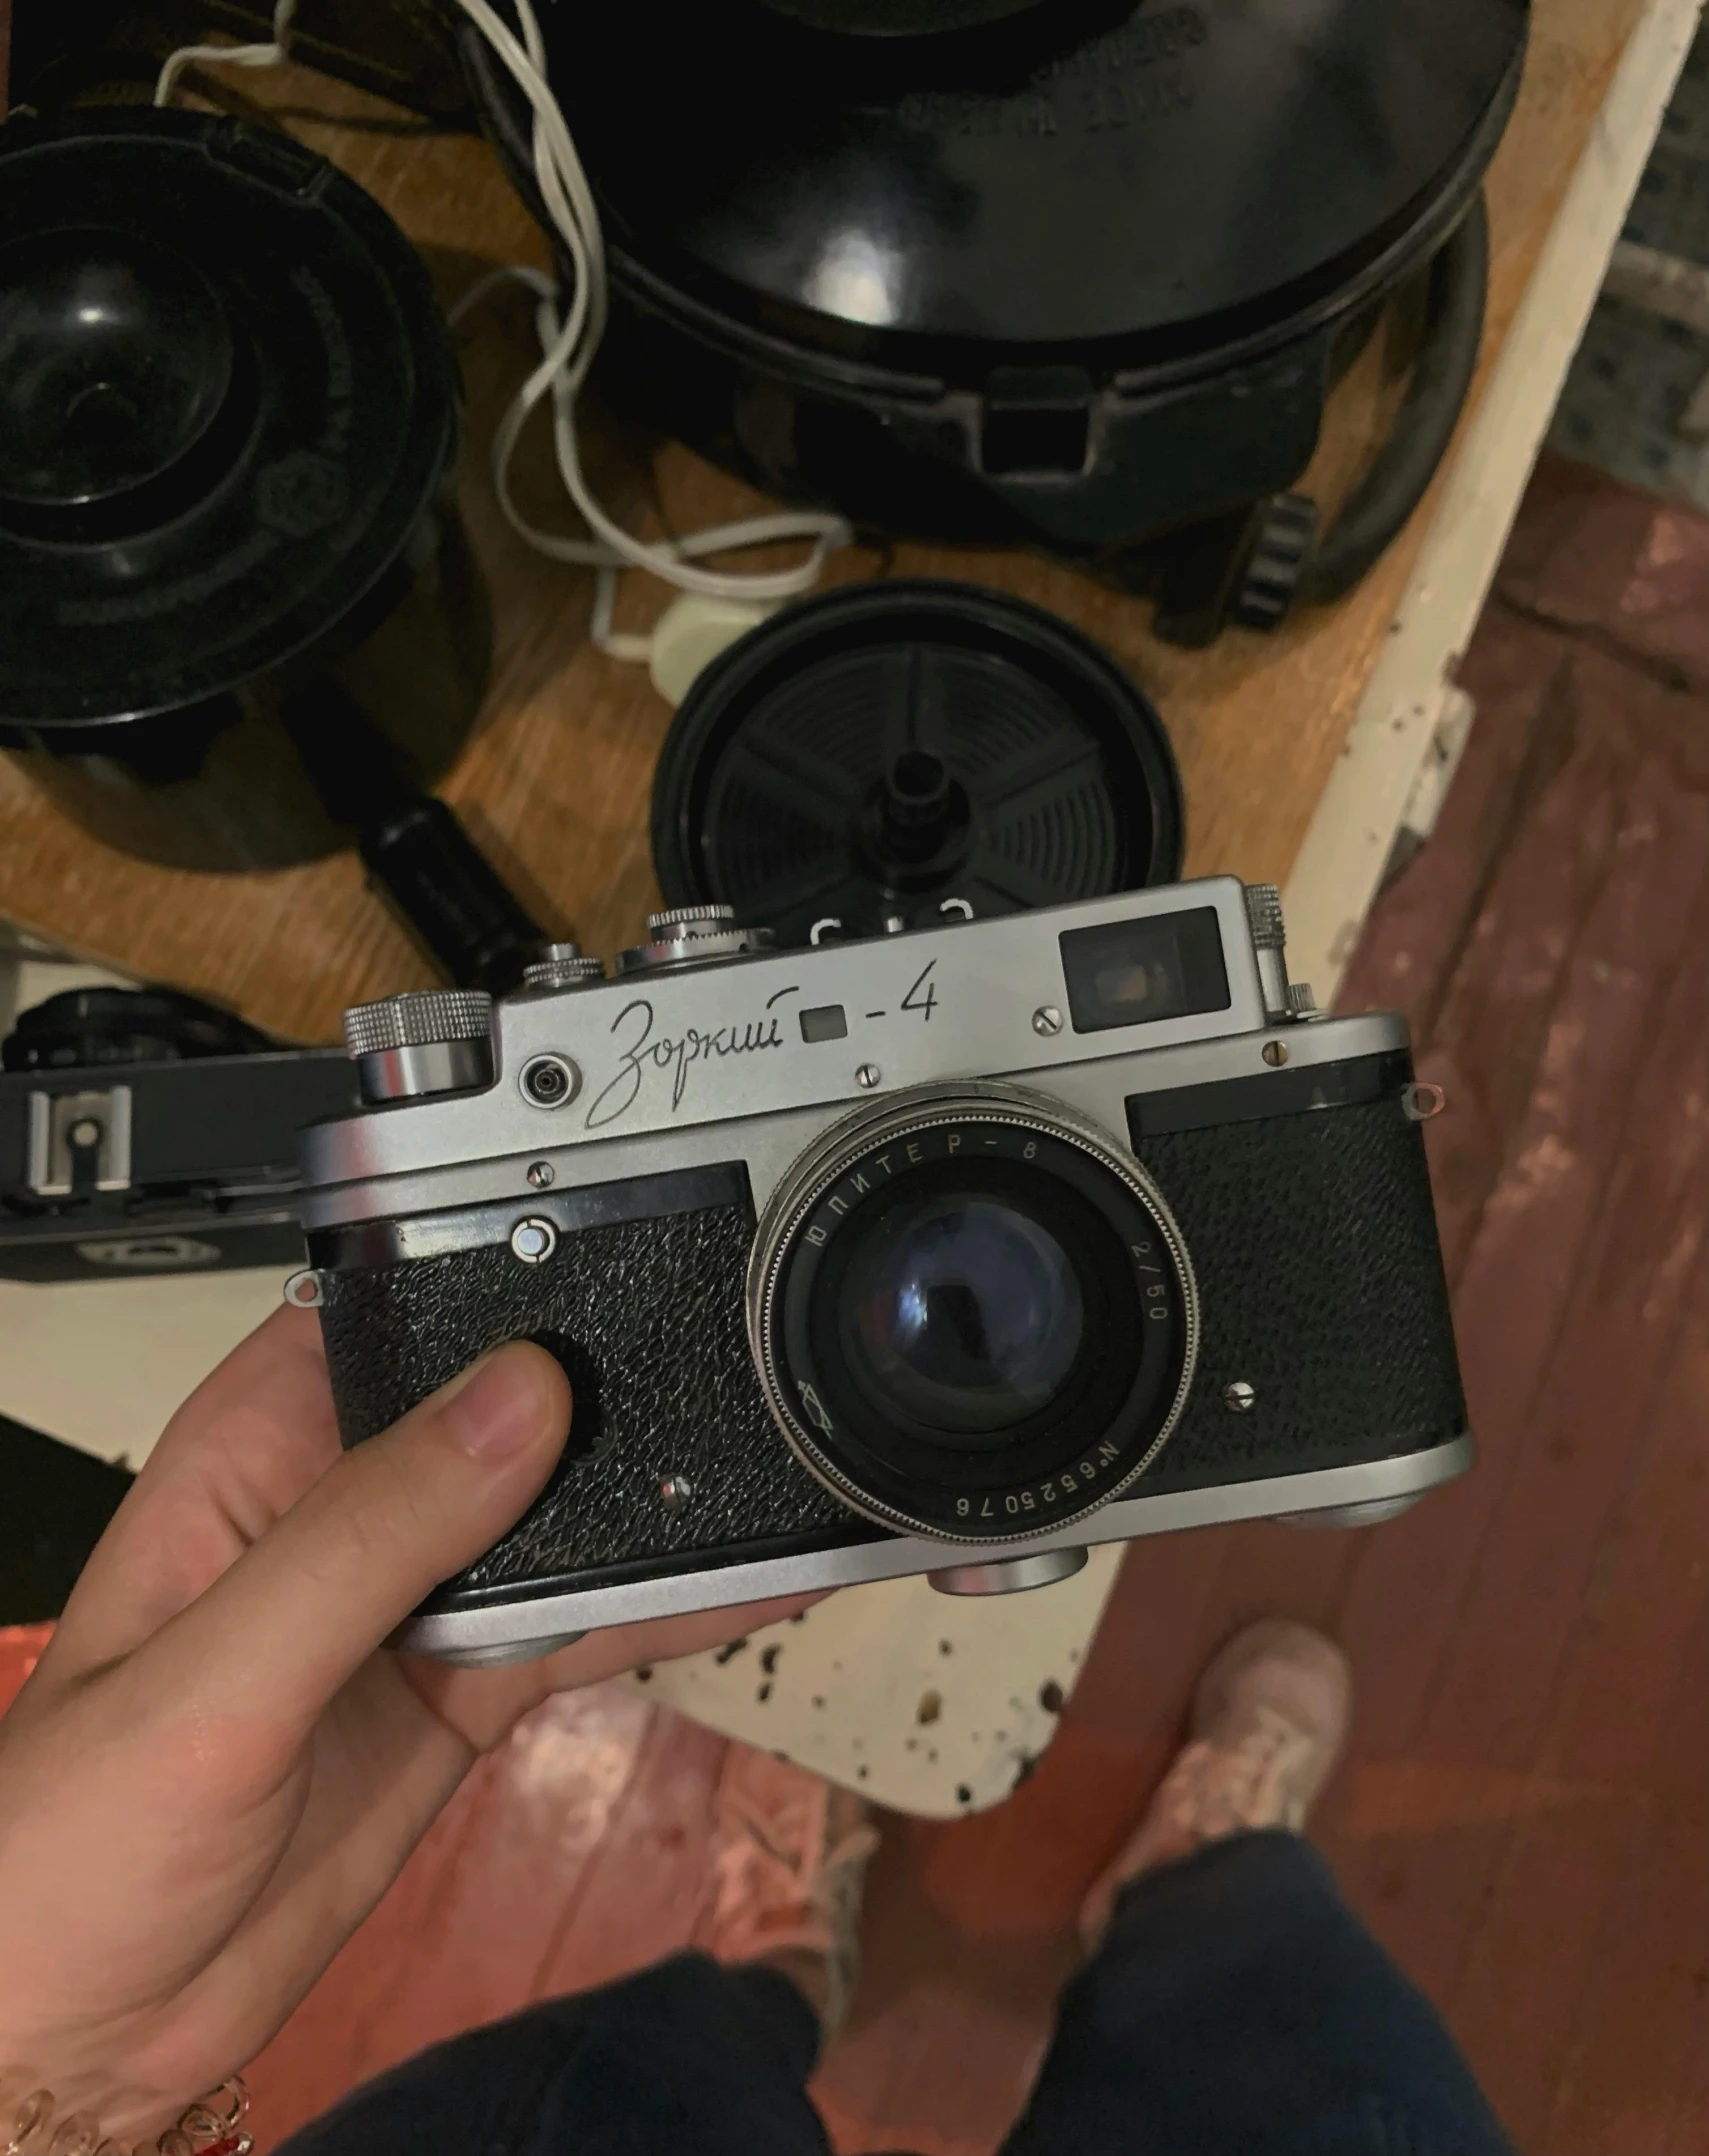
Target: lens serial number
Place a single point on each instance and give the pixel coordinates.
(1069, 1483)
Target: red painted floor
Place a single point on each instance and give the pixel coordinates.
(1524, 1816)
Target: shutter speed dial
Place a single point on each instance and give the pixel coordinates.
(693, 936)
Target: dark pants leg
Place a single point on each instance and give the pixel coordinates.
(1239, 2008)
(683, 2060)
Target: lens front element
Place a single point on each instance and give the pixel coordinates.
(961, 1312)
(972, 1314)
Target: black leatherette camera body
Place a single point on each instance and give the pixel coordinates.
(1312, 1235)
(1323, 1378)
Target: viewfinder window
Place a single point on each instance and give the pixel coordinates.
(826, 1023)
(1135, 973)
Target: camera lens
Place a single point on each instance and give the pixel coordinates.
(972, 1314)
(963, 1314)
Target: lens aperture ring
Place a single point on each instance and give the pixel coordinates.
(1046, 1473)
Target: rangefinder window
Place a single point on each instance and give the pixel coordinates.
(1134, 973)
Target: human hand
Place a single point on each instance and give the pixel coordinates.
(217, 1769)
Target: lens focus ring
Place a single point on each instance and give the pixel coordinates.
(972, 1314)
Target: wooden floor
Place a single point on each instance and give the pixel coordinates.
(1525, 1814)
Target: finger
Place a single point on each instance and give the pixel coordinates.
(250, 1440)
(277, 1635)
(483, 1705)
(262, 1429)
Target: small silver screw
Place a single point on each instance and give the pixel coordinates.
(533, 1240)
(542, 1175)
(1047, 1019)
(675, 1492)
(1240, 1398)
(868, 1076)
(1275, 1054)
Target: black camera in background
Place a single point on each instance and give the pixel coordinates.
(55, 1502)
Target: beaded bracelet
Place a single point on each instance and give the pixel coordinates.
(29, 2117)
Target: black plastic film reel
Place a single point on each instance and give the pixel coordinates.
(892, 751)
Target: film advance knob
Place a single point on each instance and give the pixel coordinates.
(692, 936)
(435, 1040)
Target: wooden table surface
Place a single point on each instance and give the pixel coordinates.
(556, 782)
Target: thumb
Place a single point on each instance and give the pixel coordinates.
(286, 1626)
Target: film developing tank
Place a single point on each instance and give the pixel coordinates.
(235, 598)
(1077, 275)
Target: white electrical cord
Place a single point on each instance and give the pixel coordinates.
(229, 55)
(568, 345)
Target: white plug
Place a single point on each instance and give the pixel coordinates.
(692, 631)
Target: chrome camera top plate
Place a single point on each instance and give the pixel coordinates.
(773, 1032)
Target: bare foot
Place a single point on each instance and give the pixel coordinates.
(1269, 1718)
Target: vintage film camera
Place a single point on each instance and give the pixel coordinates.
(143, 1131)
(950, 1251)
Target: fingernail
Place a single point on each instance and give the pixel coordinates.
(498, 1408)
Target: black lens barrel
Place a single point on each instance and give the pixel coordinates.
(978, 1322)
